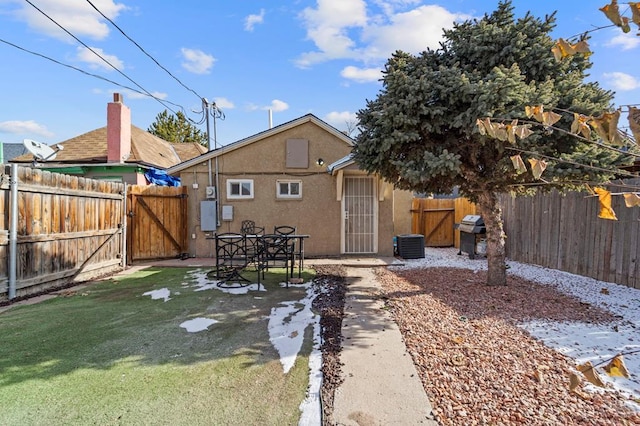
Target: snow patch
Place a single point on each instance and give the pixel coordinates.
(197, 324)
(162, 293)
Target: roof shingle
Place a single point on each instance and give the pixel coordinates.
(146, 149)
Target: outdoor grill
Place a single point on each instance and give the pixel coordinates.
(471, 230)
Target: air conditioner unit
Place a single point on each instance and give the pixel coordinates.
(210, 192)
(410, 246)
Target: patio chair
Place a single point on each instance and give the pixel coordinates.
(275, 251)
(231, 258)
(284, 230)
(248, 227)
(288, 230)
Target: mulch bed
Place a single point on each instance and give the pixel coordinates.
(330, 305)
(477, 366)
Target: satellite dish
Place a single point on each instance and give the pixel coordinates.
(39, 150)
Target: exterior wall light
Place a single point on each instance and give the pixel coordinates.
(320, 162)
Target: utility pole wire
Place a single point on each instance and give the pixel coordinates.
(78, 69)
(100, 56)
(143, 51)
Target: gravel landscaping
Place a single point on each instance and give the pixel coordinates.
(476, 359)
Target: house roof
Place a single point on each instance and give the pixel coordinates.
(12, 150)
(259, 136)
(187, 151)
(146, 149)
(342, 163)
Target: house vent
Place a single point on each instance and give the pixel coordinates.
(410, 246)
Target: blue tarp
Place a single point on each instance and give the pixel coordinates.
(161, 178)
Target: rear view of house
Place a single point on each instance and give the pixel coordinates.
(299, 174)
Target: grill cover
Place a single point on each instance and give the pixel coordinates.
(472, 224)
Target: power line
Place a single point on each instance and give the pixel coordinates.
(77, 69)
(573, 163)
(101, 57)
(144, 51)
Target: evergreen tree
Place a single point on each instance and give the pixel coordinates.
(176, 129)
(421, 132)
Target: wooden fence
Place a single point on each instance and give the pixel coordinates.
(552, 230)
(564, 232)
(157, 222)
(68, 229)
(435, 219)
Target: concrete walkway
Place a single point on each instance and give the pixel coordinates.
(381, 385)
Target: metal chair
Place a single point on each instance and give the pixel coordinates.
(231, 258)
(288, 230)
(275, 251)
(284, 230)
(248, 227)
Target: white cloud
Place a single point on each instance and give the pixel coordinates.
(76, 16)
(94, 61)
(328, 25)
(251, 20)
(626, 41)
(276, 106)
(389, 6)
(29, 126)
(413, 31)
(196, 61)
(341, 120)
(621, 81)
(346, 29)
(361, 75)
(224, 103)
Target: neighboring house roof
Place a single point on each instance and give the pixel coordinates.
(146, 149)
(187, 151)
(12, 150)
(259, 136)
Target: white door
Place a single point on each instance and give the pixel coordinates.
(360, 214)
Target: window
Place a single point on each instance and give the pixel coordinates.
(289, 188)
(239, 188)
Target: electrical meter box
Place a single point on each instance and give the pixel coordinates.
(210, 192)
(208, 216)
(227, 213)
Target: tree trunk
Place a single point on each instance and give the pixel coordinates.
(491, 212)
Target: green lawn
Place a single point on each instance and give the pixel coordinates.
(106, 354)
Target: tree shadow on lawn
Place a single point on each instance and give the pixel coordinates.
(111, 322)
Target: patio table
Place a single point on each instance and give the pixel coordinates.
(250, 243)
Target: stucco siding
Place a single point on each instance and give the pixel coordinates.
(317, 213)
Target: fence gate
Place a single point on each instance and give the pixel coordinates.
(157, 222)
(436, 219)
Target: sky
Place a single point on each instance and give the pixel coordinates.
(250, 58)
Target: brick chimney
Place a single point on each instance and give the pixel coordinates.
(118, 130)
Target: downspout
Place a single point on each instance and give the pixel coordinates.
(218, 192)
(13, 231)
(205, 108)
